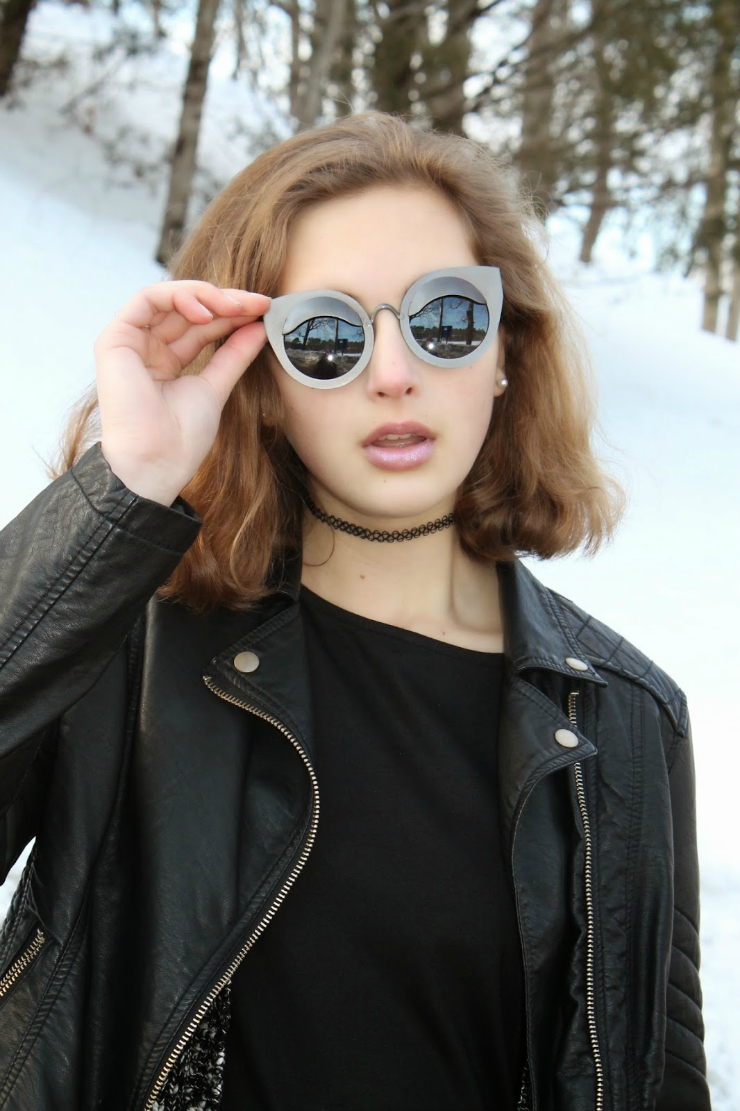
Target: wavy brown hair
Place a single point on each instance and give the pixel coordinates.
(536, 487)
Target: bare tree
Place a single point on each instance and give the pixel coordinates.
(535, 155)
(603, 141)
(723, 88)
(13, 19)
(157, 19)
(239, 9)
(328, 30)
(638, 92)
(390, 68)
(446, 68)
(341, 76)
(293, 10)
(184, 156)
(733, 315)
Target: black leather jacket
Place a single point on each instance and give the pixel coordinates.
(173, 800)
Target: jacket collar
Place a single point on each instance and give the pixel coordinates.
(535, 631)
(536, 634)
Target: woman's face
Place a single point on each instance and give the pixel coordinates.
(373, 246)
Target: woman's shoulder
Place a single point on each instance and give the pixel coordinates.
(609, 651)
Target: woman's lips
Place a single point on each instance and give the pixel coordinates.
(400, 458)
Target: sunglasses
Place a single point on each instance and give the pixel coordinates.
(324, 338)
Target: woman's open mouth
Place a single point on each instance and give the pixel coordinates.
(399, 452)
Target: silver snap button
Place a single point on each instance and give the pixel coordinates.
(246, 661)
(565, 738)
(577, 665)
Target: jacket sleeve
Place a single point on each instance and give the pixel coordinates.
(77, 566)
(684, 1085)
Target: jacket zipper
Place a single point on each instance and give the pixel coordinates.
(20, 963)
(264, 922)
(590, 941)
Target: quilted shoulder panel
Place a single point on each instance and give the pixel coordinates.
(608, 649)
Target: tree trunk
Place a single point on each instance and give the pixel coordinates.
(733, 317)
(713, 228)
(391, 71)
(600, 205)
(13, 20)
(450, 62)
(183, 160)
(535, 155)
(603, 138)
(157, 18)
(328, 29)
(241, 49)
(712, 231)
(343, 64)
(294, 87)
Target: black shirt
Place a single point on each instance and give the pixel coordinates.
(390, 979)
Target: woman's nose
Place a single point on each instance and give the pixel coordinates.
(392, 370)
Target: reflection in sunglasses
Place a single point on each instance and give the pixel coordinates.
(328, 347)
(325, 347)
(450, 326)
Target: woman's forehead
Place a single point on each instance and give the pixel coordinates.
(374, 251)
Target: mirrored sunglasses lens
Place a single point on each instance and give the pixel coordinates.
(450, 326)
(327, 346)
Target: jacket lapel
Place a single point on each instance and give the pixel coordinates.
(279, 687)
(536, 639)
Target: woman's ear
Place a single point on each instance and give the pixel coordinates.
(268, 416)
(270, 403)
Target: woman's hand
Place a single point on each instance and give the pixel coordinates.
(157, 424)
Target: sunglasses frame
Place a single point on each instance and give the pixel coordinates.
(485, 279)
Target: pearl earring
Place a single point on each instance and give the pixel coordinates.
(504, 382)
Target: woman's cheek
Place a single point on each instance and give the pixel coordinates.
(309, 430)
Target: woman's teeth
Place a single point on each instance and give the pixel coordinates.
(407, 439)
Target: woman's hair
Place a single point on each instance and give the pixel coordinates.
(536, 487)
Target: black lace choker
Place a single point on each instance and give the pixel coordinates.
(375, 534)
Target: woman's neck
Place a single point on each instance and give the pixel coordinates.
(427, 585)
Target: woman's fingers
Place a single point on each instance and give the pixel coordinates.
(169, 323)
(197, 302)
(233, 357)
(193, 338)
(156, 422)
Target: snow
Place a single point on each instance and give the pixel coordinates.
(77, 238)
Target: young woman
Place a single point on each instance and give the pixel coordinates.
(336, 805)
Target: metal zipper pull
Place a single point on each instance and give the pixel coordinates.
(22, 962)
(590, 931)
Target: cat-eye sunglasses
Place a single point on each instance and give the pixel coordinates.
(324, 338)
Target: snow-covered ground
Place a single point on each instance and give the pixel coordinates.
(77, 238)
